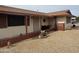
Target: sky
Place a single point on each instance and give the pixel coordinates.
(50, 8)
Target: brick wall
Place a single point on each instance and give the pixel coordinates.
(61, 26)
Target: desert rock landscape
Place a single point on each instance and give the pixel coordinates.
(56, 42)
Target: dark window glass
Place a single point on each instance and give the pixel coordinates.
(14, 20)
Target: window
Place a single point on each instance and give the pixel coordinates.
(14, 20)
(28, 20)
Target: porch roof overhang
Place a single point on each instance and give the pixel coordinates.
(17, 11)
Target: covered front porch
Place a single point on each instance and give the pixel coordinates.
(38, 23)
(48, 23)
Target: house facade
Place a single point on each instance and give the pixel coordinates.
(14, 21)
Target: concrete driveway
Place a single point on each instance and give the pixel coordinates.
(59, 41)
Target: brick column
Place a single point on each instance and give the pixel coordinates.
(61, 26)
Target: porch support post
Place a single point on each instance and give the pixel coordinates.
(25, 21)
(6, 21)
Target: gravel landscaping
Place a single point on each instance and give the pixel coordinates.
(57, 42)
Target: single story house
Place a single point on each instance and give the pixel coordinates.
(15, 21)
